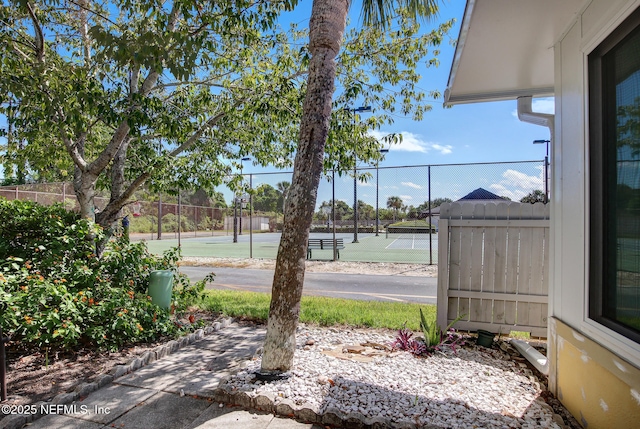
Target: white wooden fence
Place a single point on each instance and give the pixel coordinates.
(493, 266)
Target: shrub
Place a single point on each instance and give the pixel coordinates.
(27, 226)
(205, 224)
(143, 224)
(170, 223)
(59, 294)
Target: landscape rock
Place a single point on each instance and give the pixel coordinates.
(470, 387)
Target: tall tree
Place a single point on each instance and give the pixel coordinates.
(135, 92)
(266, 198)
(436, 202)
(343, 210)
(394, 203)
(326, 30)
(535, 196)
(365, 211)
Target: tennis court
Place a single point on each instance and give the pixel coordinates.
(392, 248)
(412, 241)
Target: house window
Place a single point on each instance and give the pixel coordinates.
(614, 157)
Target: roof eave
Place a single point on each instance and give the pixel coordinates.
(495, 96)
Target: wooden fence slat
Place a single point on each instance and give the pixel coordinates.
(525, 249)
(455, 212)
(502, 213)
(538, 250)
(466, 238)
(443, 270)
(476, 310)
(511, 284)
(538, 285)
(489, 263)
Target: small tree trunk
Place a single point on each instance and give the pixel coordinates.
(84, 186)
(328, 21)
(109, 219)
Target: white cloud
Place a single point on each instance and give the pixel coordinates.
(414, 143)
(405, 197)
(540, 105)
(516, 184)
(512, 194)
(522, 180)
(411, 185)
(444, 150)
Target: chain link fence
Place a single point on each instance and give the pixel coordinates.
(396, 209)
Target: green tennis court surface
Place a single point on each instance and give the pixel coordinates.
(402, 248)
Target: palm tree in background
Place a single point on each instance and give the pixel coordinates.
(394, 203)
(326, 30)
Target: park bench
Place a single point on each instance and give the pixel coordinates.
(324, 244)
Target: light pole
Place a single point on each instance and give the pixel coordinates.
(382, 151)
(546, 169)
(246, 158)
(355, 171)
(235, 218)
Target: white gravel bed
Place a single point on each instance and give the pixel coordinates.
(475, 388)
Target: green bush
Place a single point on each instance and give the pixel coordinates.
(205, 224)
(59, 294)
(170, 223)
(143, 224)
(27, 226)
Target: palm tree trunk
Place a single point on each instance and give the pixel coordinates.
(326, 28)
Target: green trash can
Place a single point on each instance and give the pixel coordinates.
(161, 287)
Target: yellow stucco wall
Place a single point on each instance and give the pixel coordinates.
(600, 389)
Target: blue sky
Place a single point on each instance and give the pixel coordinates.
(474, 133)
(480, 132)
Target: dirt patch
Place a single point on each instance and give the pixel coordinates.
(37, 376)
(34, 375)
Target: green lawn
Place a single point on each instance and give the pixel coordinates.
(322, 310)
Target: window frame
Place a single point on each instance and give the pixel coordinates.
(602, 265)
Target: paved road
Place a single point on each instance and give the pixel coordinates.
(351, 286)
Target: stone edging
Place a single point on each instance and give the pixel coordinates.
(307, 413)
(19, 420)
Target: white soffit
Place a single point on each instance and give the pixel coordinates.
(505, 49)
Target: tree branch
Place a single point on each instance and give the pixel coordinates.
(115, 204)
(72, 150)
(134, 79)
(96, 13)
(121, 133)
(39, 34)
(84, 31)
(194, 138)
(199, 83)
(103, 160)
